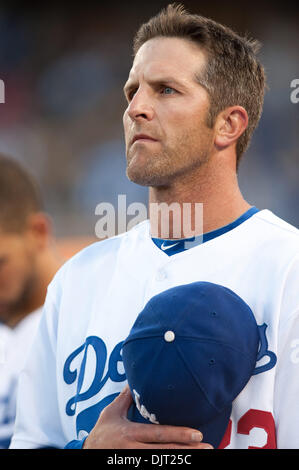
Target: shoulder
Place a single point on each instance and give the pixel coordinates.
(94, 253)
(6, 336)
(276, 235)
(282, 249)
(94, 261)
(5, 331)
(276, 224)
(27, 326)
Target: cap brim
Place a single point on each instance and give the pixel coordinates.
(212, 432)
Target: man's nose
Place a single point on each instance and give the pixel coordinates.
(141, 106)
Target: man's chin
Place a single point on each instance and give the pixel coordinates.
(143, 178)
(146, 169)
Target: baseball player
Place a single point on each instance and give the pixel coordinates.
(27, 264)
(195, 95)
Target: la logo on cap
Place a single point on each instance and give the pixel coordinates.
(143, 411)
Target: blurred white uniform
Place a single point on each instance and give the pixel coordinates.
(15, 344)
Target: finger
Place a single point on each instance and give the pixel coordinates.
(159, 433)
(170, 445)
(122, 402)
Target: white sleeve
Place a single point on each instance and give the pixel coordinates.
(286, 403)
(38, 421)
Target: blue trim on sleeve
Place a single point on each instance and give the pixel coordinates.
(75, 444)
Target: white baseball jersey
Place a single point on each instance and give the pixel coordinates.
(16, 343)
(75, 367)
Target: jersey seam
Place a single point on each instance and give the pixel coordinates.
(282, 325)
(289, 319)
(258, 215)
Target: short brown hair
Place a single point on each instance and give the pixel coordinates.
(19, 195)
(232, 76)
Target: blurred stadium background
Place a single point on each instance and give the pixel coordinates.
(64, 68)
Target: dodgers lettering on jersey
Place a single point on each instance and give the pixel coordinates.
(86, 419)
(264, 352)
(75, 367)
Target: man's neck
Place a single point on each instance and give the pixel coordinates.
(214, 194)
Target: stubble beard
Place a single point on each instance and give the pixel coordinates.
(18, 305)
(162, 169)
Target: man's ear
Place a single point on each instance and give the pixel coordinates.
(39, 229)
(230, 125)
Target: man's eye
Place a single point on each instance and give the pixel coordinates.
(167, 90)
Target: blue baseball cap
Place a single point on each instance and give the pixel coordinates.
(190, 352)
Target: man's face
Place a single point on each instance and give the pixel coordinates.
(17, 272)
(169, 109)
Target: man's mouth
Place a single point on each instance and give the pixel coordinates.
(143, 138)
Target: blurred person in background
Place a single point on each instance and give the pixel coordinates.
(28, 261)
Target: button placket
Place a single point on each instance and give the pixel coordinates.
(161, 275)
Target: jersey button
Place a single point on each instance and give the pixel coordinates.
(161, 275)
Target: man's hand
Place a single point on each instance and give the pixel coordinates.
(113, 430)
